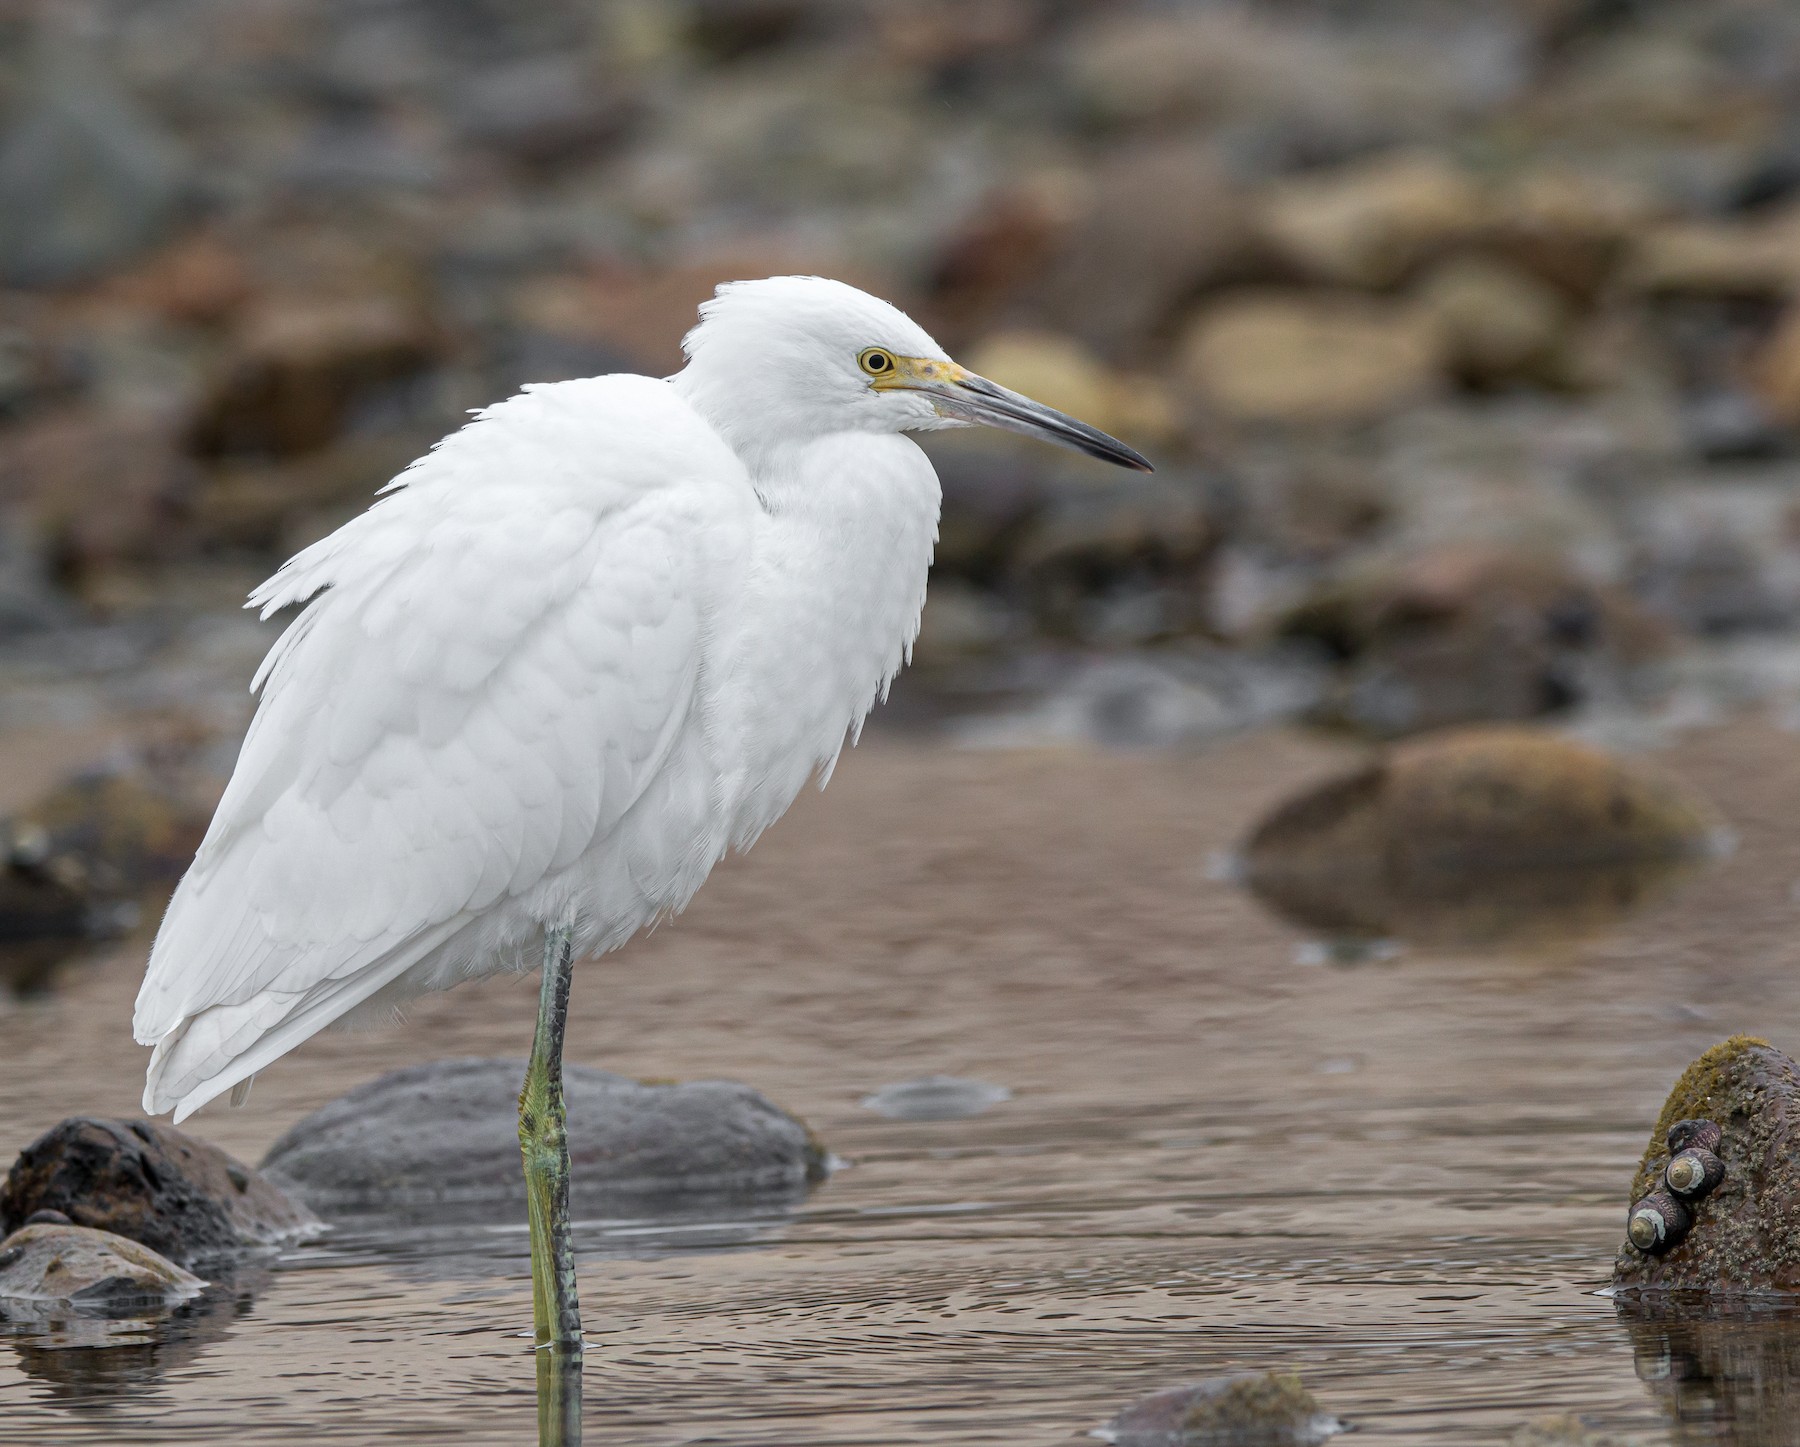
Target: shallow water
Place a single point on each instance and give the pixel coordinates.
(1403, 1177)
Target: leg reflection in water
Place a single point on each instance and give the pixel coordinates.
(558, 1396)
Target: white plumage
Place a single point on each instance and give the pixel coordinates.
(591, 641)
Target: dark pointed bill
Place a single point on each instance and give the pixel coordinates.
(975, 399)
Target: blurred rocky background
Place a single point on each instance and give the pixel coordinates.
(1465, 335)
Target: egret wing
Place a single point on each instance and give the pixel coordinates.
(498, 659)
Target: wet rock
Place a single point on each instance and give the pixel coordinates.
(297, 369)
(1571, 228)
(1373, 224)
(1477, 836)
(542, 110)
(446, 1134)
(1495, 323)
(1758, 258)
(1308, 358)
(992, 491)
(80, 861)
(936, 1097)
(1111, 563)
(88, 1270)
(198, 280)
(992, 257)
(1722, 557)
(98, 488)
(151, 1183)
(1152, 699)
(1268, 1410)
(86, 180)
(1162, 222)
(1776, 369)
(1306, 91)
(959, 622)
(1746, 1234)
(271, 506)
(1465, 633)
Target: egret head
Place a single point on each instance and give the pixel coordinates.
(801, 356)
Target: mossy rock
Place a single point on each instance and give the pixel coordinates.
(1478, 835)
(1746, 1234)
(1268, 1409)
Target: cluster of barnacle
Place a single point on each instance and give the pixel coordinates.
(1665, 1216)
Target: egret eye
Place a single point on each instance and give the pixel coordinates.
(876, 362)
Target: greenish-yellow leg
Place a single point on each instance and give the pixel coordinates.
(544, 1141)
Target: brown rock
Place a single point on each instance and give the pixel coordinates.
(1776, 369)
(1465, 632)
(993, 256)
(1115, 563)
(1476, 836)
(250, 505)
(1495, 323)
(1300, 358)
(1162, 222)
(101, 487)
(151, 1183)
(1751, 258)
(199, 280)
(1746, 1234)
(1570, 228)
(1372, 224)
(297, 368)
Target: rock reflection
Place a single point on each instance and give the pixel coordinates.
(474, 1240)
(93, 1361)
(1464, 909)
(1719, 1378)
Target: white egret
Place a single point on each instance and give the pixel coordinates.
(590, 642)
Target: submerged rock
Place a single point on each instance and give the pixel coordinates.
(1563, 1431)
(151, 1183)
(1477, 835)
(1745, 1234)
(447, 1133)
(936, 1097)
(1268, 1410)
(89, 1270)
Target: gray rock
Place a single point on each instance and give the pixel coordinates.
(88, 1270)
(936, 1097)
(1270, 1409)
(86, 181)
(446, 1134)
